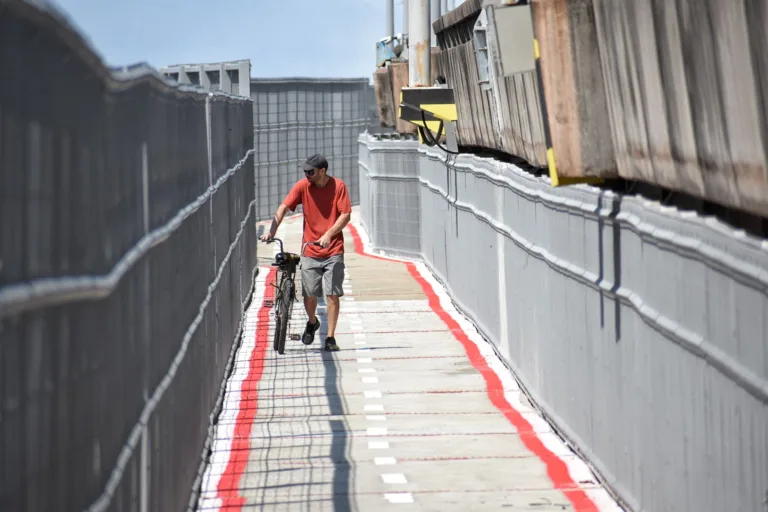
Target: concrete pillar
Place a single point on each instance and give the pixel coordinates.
(419, 30)
(244, 72)
(390, 18)
(224, 81)
(435, 15)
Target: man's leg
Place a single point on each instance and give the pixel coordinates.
(333, 313)
(333, 281)
(311, 289)
(310, 305)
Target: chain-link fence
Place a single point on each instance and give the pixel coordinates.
(127, 250)
(296, 117)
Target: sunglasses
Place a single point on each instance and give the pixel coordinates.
(311, 172)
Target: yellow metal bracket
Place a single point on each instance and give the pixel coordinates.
(428, 107)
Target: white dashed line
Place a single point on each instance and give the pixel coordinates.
(360, 336)
(394, 478)
(371, 380)
(364, 360)
(385, 461)
(398, 497)
(360, 343)
(376, 417)
(373, 407)
(364, 349)
(376, 431)
(366, 370)
(373, 394)
(378, 445)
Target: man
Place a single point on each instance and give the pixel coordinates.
(326, 211)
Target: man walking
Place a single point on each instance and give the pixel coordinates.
(327, 210)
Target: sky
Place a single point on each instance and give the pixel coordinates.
(314, 38)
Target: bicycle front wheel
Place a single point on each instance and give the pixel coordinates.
(284, 314)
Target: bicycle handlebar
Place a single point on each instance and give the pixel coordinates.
(280, 242)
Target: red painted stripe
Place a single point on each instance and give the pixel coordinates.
(556, 467)
(228, 488)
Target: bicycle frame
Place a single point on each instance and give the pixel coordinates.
(286, 264)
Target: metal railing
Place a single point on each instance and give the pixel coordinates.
(127, 252)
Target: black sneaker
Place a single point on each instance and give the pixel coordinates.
(309, 332)
(330, 345)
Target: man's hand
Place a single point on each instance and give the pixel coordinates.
(324, 241)
(266, 237)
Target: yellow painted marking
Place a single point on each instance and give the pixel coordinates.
(536, 48)
(444, 111)
(557, 181)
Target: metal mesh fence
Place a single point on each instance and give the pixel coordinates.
(127, 247)
(296, 117)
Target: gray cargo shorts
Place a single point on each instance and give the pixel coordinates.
(322, 276)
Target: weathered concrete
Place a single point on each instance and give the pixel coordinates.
(398, 418)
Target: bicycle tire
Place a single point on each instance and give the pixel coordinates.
(281, 328)
(278, 314)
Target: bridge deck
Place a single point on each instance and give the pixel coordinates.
(415, 412)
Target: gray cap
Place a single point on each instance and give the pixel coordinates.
(315, 162)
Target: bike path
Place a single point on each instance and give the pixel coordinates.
(415, 412)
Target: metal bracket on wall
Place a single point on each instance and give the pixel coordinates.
(431, 109)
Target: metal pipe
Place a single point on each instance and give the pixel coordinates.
(435, 11)
(405, 19)
(444, 7)
(419, 28)
(391, 18)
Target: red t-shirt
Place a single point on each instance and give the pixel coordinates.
(322, 207)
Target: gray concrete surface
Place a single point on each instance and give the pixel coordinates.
(397, 419)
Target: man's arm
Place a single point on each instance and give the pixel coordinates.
(291, 201)
(276, 220)
(342, 221)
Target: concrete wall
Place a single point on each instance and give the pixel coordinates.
(294, 118)
(642, 331)
(127, 250)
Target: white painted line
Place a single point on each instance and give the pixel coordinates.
(366, 370)
(385, 461)
(577, 468)
(373, 394)
(360, 343)
(398, 497)
(364, 360)
(394, 478)
(348, 299)
(373, 407)
(377, 431)
(360, 336)
(378, 445)
(376, 417)
(224, 432)
(371, 380)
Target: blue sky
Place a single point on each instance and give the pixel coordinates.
(317, 38)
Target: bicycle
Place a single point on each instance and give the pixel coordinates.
(285, 295)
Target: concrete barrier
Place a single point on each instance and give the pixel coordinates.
(638, 329)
